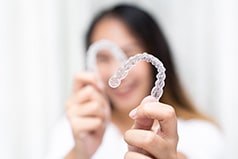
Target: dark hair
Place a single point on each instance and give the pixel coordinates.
(145, 28)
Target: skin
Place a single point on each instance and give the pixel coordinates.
(88, 109)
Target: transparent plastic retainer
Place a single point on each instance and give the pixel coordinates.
(103, 45)
(128, 64)
(122, 72)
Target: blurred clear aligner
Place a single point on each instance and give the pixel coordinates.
(103, 45)
(123, 70)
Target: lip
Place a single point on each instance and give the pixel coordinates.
(125, 90)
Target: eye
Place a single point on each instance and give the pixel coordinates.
(104, 57)
(130, 53)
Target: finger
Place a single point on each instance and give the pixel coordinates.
(165, 114)
(143, 122)
(146, 142)
(86, 94)
(89, 109)
(87, 124)
(85, 106)
(148, 99)
(87, 78)
(133, 155)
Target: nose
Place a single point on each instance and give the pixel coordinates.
(112, 67)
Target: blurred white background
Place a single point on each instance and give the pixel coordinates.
(41, 48)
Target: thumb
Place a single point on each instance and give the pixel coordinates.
(142, 122)
(148, 99)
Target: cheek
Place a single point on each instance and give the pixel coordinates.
(142, 76)
(146, 78)
(105, 74)
(107, 70)
(143, 69)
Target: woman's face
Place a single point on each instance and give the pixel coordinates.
(138, 82)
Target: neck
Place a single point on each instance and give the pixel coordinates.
(122, 120)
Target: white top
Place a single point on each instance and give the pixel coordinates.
(197, 140)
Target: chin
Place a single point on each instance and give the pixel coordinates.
(127, 103)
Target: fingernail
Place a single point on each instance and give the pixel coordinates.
(132, 113)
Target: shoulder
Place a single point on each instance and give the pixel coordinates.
(199, 128)
(201, 138)
(60, 139)
(198, 124)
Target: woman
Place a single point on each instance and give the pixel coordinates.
(98, 114)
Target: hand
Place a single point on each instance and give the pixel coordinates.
(88, 112)
(146, 142)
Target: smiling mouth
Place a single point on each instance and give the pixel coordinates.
(125, 90)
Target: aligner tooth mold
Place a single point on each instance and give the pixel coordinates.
(101, 45)
(123, 70)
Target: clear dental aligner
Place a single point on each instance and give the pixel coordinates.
(103, 45)
(122, 72)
